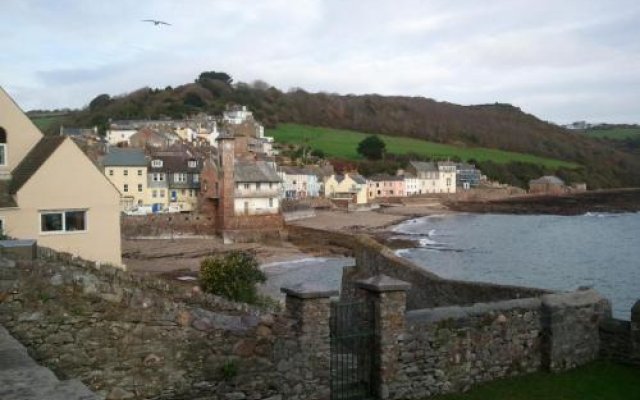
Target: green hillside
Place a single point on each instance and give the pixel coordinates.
(615, 133)
(343, 143)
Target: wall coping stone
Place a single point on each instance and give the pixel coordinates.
(309, 290)
(428, 315)
(383, 283)
(578, 298)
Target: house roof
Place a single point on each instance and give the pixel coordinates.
(33, 161)
(547, 179)
(386, 177)
(256, 171)
(175, 162)
(124, 158)
(358, 178)
(422, 166)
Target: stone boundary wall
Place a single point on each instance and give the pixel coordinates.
(299, 214)
(128, 336)
(449, 349)
(427, 289)
(133, 226)
(620, 340)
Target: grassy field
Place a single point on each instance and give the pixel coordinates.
(596, 381)
(45, 122)
(614, 133)
(343, 144)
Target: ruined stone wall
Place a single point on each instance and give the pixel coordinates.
(177, 224)
(620, 340)
(127, 336)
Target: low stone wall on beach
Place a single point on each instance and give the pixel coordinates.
(177, 224)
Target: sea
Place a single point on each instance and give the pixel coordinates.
(595, 250)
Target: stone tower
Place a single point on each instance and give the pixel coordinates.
(225, 212)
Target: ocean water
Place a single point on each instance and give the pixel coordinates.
(553, 252)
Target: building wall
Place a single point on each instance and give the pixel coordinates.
(22, 134)
(135, 177)
(546, 188)
(70, 181)
(347, 185)
(377, 189)
(115, 136)
(256, 205)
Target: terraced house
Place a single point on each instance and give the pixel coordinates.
(127, 170)
(52, 193)
(174, 180)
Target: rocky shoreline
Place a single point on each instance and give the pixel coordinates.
(600, 201)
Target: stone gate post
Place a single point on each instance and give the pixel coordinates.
(388, 296)
(309, 305)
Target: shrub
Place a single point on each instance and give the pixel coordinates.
(233, 276)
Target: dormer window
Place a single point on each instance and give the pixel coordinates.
(192, 163)
(156, 163)
(3, 147)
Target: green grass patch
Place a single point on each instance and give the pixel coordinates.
(343, 143)
(614, 133)
(596, 381)
(43, 123)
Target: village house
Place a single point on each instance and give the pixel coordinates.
(150, 138)
(299, 183)
(384, 185)
(177, 172)
(467, 176)
(348, 187)
(433, 177)
(126, 169)
(52, 193)
(547, 185)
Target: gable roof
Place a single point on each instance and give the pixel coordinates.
(422, 166)
(256, 171)
(386, 177)
(33, 161)
(124, 158)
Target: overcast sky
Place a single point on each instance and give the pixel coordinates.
(560, 60)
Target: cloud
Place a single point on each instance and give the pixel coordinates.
(576, 59)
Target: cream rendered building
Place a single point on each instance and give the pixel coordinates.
(351, 187)
(53, 193)
(126, 169)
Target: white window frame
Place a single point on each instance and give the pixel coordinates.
(157, 177)
(180, 177)
(64, 230)
(192, 163)
(156, 163)
(196, 178)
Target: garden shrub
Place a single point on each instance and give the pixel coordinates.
(233, 276)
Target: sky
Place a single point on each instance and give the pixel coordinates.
(562, 61)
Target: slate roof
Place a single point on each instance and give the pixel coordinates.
(386, 177)
(254, 171)
(358, 178)
(124, 158)
(548, 179)
(175, 162)
(33, 161)
(422, 166)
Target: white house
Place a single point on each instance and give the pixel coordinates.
(116, 136)
(299, 183)
(432, 177)
(258, 188)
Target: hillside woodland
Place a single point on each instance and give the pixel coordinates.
(500, 126)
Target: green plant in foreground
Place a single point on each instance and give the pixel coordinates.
(233, 276)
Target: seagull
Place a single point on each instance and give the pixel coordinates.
(156, 22)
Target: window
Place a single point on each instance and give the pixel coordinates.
(3, 146)
(448, 181)
(294, 182)
(196, 178)
(154, 194)
(110, 172)
(246, 186)
(162, 193)
(270, 185)
(126, 172)
(63, 221)
(156, 163)
(192, 163)
(126, 187)
(270, 202)
(184, 192)
(139, 187)
(180, 177)
(157, 177)
(139, 172)
(258, 186)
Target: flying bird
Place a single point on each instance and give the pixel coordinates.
(156, 22)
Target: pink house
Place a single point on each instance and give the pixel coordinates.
(384, 185)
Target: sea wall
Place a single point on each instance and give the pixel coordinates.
(127, 336)
(620, 340)
(427, 289)
(449, 349)
(174, 224)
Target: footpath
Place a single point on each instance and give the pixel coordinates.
(21, 378)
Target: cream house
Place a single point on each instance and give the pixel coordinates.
(433, 177)
(258, 188)
(126, 169)
(51, 192)
(352, 187)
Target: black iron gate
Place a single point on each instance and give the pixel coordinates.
(352, 341)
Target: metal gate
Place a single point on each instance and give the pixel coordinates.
(352, 343)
